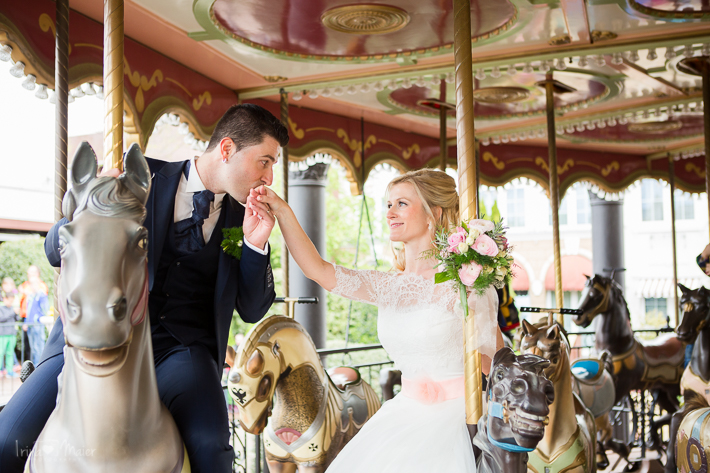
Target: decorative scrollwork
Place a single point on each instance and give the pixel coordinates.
(613, 166)
(204, 97)
(690, 167)
(407, 153)
(297, 132)
(499, 165)
(141, 83)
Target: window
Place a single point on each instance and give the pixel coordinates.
(562, 213)
(656, 311)
(516, 207)
(584, 208)
(684, 206)
(651, 200)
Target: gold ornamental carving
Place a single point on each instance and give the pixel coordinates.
(655, 127)
(141, 83)
(356, 145)
(500, 94)
(559, 40)
(613, 166)
(275, 78)
(365, 19)
(603, 35)
(297, 132)
(407, 153)
(690, 167)
(204, 97)
(566, 166)
(488, 157)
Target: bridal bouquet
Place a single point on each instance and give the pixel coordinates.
(476, 255)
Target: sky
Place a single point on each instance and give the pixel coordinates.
(27, 147)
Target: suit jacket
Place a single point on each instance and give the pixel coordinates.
(246, 284)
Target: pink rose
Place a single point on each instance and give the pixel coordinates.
(485, 245)
(469, 273)
(481, 225)
(456, 238)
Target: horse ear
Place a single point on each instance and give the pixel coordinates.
(588, 277)
(683, 289)
(528, 328)
(136, 174)
(553, 332)
(504, 355)
(83, 168)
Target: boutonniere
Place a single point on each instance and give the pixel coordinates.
(233, 241)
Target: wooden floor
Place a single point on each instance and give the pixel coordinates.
(649, 465)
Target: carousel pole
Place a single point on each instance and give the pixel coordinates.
(551, 87)
(468, 198)
(671, 181)
(284, 257)
(61, 93)
(442, 126)
(113, 83)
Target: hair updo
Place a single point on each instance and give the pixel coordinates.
(435, 189)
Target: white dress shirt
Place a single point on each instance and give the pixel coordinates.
(184, 206)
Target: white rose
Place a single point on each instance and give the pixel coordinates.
(470, 240)
(463, 247)
(501, 271)
(473, 233)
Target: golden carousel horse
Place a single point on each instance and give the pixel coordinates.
(279, 374)
(569, 442)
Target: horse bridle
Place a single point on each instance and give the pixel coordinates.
(687, 307)
(605, 300)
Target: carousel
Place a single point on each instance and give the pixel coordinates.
(605, 92)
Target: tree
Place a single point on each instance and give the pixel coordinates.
(16, 256)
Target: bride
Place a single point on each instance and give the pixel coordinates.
(420, 324)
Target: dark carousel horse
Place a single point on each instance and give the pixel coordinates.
(695, 383)
(656, 365)
(519, 396)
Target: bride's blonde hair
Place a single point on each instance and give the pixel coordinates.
(435, 189)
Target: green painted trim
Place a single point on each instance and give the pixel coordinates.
(203, 12)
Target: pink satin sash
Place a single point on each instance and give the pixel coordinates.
(428, 391)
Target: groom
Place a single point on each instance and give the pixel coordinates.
(194, 288)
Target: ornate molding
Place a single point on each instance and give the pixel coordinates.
(365, 19)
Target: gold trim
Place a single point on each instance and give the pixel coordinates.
(406, 154)
(488, 157)
(603, 35)
(365, 19)
(501, 94)
(655, 127)
(690, 167)
(275, 78)
(559, 40)
(297, 132)
(613, 166)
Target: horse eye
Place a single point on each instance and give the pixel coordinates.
(143, 243)
(62, 245)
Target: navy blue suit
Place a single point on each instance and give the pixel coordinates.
(188, 373)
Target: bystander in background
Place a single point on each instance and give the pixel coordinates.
(34, 306)
(8, 332)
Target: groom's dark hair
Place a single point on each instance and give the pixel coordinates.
(247, 125)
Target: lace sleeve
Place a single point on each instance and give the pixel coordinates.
(355, 284)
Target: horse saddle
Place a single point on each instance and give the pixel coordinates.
(593, 384)
(666, 349)
(343, 376)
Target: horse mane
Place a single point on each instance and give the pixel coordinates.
(254, 337)
(618, 294)
(110, 197)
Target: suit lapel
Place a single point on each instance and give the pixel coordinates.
(165, 185)
(234, 218)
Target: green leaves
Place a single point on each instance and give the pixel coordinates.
(233, 241)
(442, 277)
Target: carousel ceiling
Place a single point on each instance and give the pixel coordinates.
(389, 61)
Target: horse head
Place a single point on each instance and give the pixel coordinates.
(695, 311)
(519, 396)
(103, 284)
(595, 299)
(548, 342)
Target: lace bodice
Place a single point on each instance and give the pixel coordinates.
(420, 323)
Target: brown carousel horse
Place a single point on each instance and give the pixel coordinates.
(109, 417)
(656, 365)
(314, 413)
(687, 428)
(519, 396)
(569, 442)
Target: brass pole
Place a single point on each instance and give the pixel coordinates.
(442, 126)
(671, 181)
(113, 83)
(61, 93)
(554, 189)
(284, 257)
(468, 201)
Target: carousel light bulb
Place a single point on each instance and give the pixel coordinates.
(705, 51)
(100, 92)
(77, 92)
(365, 88)
(297, 95)
(560, 65)
(420, 82)
(88, 88)
(634, 56)
(579, 127)
(338, 91)
(495, 72)
(496, 140)
(486, 141)
(582, 61)
(512, 70)
(541, 133)
(617, 59)
(560, 130)
(601, 62)
(569, 129)
(392, 85)
(351, 90)
(514, 137)
(30, 82)
(41, 92)
(326, 92)
(70, 98)
(623, 120)
(5, 52)
(407, 83)
(688, 51)
(377, 86)
(480, 74)
(18, 69)
(670, 53)
(601, 124)
(544, 66)
(53, 97)
(313, 94)
(528, 69)
(450, 78)
(591, 126)
(652, 55)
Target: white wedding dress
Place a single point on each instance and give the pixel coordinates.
(420, 324)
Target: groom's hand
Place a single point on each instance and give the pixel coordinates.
(258, 222)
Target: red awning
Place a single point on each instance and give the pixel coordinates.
(574, 269)
(521, 281)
